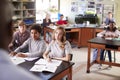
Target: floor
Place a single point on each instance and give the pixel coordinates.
(79, 69)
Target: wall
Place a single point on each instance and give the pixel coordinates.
(117, 12)
(65, 8)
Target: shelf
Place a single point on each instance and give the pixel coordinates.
(29, 17)
(24, 10)
(29, 9)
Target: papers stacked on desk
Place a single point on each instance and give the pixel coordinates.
(43, 65)
(109, 38)
(17, 60)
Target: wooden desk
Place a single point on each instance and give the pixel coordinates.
(101, 43)
(75, 38)
(64, 69)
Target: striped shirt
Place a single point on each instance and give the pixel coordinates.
(36, 48)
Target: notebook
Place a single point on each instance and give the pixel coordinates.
(43, 65)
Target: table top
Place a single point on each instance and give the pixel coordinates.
(99, 40)
(46, 75)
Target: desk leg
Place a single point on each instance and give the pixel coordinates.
(67, 72)
(70, 74)
(88, 59)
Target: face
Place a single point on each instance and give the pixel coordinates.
(58, 35)
(47, 16)
(111, 25)
(110, 15)
(61, 17)
(22, 28)
(35, 34)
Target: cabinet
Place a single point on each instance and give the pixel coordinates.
(86, 34)
(24, 10)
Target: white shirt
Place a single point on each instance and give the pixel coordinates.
(36, 48)
(55, 50)
(9, 71)
(108, 33)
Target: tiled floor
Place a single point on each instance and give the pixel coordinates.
(79, 69)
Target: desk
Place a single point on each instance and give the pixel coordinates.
(101, 43)
(64, 69)
(75, 38)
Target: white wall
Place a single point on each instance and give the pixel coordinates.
(65, 8)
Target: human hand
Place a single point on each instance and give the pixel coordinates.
(21, 55)
(48, 59)
(12, 53)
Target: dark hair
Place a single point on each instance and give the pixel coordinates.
(114, 28)
(36, 27)
(109, 12)
(61, 15)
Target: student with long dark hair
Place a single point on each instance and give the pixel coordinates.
(110, 32)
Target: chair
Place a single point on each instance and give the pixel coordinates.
(71, 56)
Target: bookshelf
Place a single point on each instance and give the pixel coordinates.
(24, 10)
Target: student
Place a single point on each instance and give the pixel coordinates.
(59, 48)
(109, 18)
(47, 21)
(9, 71)
(19, 36)
(110, 32)
(62, 22)
(36, 46)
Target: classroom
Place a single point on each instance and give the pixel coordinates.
(60, 40)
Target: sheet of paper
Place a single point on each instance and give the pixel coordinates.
(52, 63)
(17, 60)
(108, 38)
(41, 68)
(31, 59)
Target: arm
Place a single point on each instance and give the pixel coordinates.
(67, 52)
(24, 45)
(66, 58)
(45, 54)
(101, 34)
(117, 32)
(40, 51)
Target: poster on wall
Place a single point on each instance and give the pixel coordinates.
(74, 7)
(81, 8)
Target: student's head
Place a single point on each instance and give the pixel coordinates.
(61, 17)
(47, 16)
(6, 32)
(59, 34)
(22, 26)
(110, 15)
(35, 31)
(112, 26)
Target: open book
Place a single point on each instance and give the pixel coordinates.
(43, 65)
